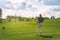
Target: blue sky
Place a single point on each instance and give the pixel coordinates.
(46, 7)
(52, 2)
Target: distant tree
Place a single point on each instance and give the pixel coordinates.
(46, 17)
(21, 18)
(52, 17)
(27, 19)
(32, 18)
(57, 18)
(9, 18)
(15, 17)
(0, 15)
(36, 18)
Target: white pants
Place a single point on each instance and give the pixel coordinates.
(39, 29)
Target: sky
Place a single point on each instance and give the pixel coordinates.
(30, 8)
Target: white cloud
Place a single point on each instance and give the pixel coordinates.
(7, 12)
(34, 10)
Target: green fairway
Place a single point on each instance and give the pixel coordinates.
(26, 30)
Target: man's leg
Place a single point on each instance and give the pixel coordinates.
(40, 28)
(37, 29)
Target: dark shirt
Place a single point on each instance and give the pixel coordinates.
(40, 19)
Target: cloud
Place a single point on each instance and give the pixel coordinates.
(19, 4)
(30, 7)
(56, 9)
(22, 6)
(12, 4)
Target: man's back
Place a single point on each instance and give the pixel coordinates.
(40, 19)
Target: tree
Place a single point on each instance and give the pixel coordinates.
(46, 17)
(9, 18)
(21, 19)
(0, 15)
(27, 19)
(15, 17)
(52, 17)
(36, 18)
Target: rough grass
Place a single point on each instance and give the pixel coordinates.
(26, 30)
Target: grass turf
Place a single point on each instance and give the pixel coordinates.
(26, 30)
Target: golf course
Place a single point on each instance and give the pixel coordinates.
(26, 30)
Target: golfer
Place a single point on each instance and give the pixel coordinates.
(40, 23)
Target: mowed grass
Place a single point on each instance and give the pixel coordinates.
(26, 30)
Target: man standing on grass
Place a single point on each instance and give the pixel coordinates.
(40, 23)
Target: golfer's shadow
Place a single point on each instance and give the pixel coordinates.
(45, 36)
